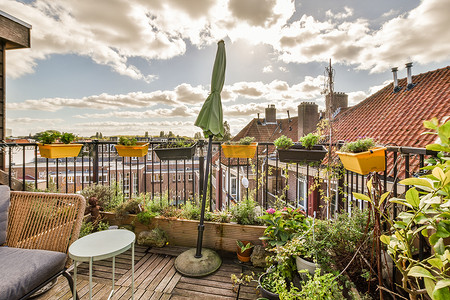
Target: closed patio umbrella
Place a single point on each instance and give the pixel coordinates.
(200, 261)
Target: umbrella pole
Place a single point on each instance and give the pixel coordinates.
(201, 226)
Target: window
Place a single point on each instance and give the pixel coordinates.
(302, 192)
(333, 198)
(42, 174)
(156, 178)
(189, 176)
(70, 179)
(233, 189)
(135, 184)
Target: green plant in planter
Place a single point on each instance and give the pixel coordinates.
(67, 138)
(49, 137)
(320, 287)
(274, 281)
(127, 141)
(427, 212)
(283, 142)
(145, 217)
(309, 141)
(246, 140)
(243, 247)
(245, 212)
(361, 145)
(282, 225)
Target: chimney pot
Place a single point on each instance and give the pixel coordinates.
(396, 87)
(409, 76)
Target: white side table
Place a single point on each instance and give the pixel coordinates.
(102, 245)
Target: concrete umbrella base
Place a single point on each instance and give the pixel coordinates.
(188, 265)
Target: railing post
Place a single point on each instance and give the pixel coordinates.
(95, 162)
(201, 165)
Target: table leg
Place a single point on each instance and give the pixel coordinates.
(91, 261)
(132, 271)
(113, 271)
(74, 280)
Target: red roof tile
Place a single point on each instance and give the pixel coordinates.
(396, 118)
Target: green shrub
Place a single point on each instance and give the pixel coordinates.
(283, 143)
(320, 287)
(132, 206)
(108, 197)
(67, 138)
(309, 141)
(190, 211)
(127, 141)
(360, 145)
(86, 228)
(145, 217)
(246, 140)
(245, 212)
(48, 137)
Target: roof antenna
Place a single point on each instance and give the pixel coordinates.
(289, 121)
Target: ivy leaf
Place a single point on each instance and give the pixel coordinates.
(418, 271)
(412, 197)
(416, 181)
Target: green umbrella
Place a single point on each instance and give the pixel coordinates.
(201, 262)
(210, 118)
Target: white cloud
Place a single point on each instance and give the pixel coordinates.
(348, 12)
(267, 69)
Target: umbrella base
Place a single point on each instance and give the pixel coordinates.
(188, 265)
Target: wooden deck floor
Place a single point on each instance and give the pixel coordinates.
(155, 278)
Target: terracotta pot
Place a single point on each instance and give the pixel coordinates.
(244, 256)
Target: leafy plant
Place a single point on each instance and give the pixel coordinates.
(145, 217)
(132, 206)
(360, 145)
(282, 225)
(67, 138)
(108, 197)
(48, 137)
(127, 141)
(273, 281)
(176, 144)
(309, 141)
(319, 287)
(242, 279)
(245, 212)
(426, 211)
(246, 140)
(191, 211)
(283, 142)
(245, 247)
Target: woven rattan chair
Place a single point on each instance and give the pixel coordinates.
(43, 221)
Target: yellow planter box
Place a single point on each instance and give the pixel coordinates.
(364, 162)
(59, 150)
(239, 151)
(138, 150)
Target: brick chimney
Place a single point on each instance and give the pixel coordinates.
(340, 100)
(308, 117)
(271, 114)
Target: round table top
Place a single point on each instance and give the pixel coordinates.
(102, 245)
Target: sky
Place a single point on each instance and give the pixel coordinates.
(126, 67)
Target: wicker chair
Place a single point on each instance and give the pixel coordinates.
(36, 222)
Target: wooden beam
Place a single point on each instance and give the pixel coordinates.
(14, 32)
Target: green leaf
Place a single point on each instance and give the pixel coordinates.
(361, 196)
(382, 198)
(412, 197)
(400, 201)
(433, 239)
(436, 262)
(444, 132)
(439, 247)
(432, 124)
(438, 148)
(439, 174)
(416, 181)
(442, 230)
(429, 286)
(434, 200)
(385, 239)
(441, 294)
(418, 271)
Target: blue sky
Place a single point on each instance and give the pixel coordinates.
(131, 66)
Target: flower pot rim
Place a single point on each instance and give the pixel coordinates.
(371, 150)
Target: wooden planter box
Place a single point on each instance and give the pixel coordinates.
(239, 151)
(364, 162)
(59, 150)
(298, 154)
(139, 150)
(218, 236)
(175, 153)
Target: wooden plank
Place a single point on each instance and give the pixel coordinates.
(144, 275)
(164, 278)
(198, 295)
(149, 263)
(137, 266)
(153, 274)
(173, 282)
(205, 289)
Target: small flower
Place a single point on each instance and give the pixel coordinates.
(285, 208)
(270, 211)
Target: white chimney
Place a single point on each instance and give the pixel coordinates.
(394, 72)
(409, 76)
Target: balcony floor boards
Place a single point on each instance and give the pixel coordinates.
(155, 278)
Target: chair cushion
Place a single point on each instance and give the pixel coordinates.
(22, 270)
(4, 205)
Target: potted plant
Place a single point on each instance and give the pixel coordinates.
(244, 250)
(305, 151)
(129, 147)
(179, 149)
(49, 149)
(270, 282)
(245, 148)
(362, 156)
